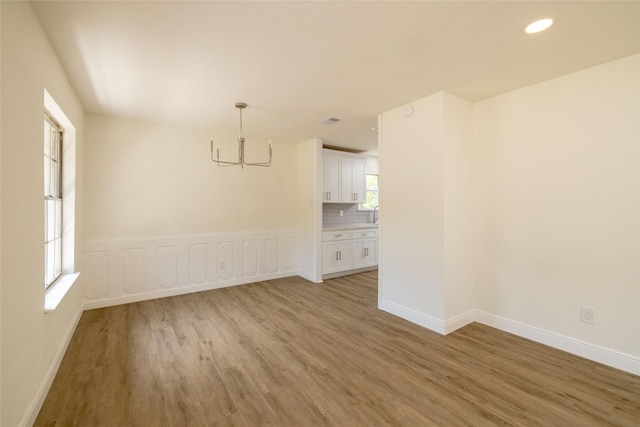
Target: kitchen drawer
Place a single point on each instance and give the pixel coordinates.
(364, 234)
(328, 236)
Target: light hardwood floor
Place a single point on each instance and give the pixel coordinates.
(290, 353)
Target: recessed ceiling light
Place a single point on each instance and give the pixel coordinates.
(539, 25)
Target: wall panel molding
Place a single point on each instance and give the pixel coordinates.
(124, 270)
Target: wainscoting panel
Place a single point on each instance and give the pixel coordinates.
(198, 255)
(250, 258)
(167, 267)
(225, 260)
(133, 270)
(272, 255)
(125, 270)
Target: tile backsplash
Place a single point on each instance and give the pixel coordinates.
(331, 215)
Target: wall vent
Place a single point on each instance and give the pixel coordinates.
(330, 120)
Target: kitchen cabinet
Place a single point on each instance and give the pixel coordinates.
(346, 250)
(336, 252)
(332, 184)
(344, 177)
(364, 249)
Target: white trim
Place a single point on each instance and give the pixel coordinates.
(596, 353)
(413, 316)
(30, 415)
(308, 276)
(349, 272)
(56, 292)
(108, 302)
(606, 356)
(459, 321)
(125, 270)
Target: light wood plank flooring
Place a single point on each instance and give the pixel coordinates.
(290, 353)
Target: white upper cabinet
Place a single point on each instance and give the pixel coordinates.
(344, 177)
(358, 185)
(331, 178)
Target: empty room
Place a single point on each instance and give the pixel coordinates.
(344, 213)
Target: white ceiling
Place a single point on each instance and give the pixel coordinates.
(297, 63)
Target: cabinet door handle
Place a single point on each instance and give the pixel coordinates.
(336, 255)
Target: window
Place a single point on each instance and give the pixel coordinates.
(371, 195)
(52, 200)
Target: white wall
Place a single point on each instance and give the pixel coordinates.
(309, 212)
(458, 209)
(412, 222)
(519, 210)
(557, 186)
(0, 217)
(426, 230)
(145, 179)
(31, 340)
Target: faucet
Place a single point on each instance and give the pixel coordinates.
(374, 214)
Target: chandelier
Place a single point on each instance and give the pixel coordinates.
(242, 161)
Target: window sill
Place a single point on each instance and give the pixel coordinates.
(54, 295)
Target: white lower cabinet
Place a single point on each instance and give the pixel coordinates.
(336, 256)
(364, 253)
(349, 250)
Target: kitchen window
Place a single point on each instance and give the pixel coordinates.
(371, 193)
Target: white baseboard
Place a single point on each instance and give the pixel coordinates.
(589, 351)
(413, 316)
(35, 405)
(425, 320)
(596, 353)
(310, 276)
(459, 321)
(348, 272)
(108, 302)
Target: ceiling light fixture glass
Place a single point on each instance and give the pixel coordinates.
(539, 25)
(241, 155)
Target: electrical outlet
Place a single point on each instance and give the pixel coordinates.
(341, 212)
(588, 315)
(222, 265)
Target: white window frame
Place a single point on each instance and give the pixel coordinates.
(53, 200)
(54, 294)
(361, 206)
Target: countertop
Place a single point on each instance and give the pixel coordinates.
(351, 227)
